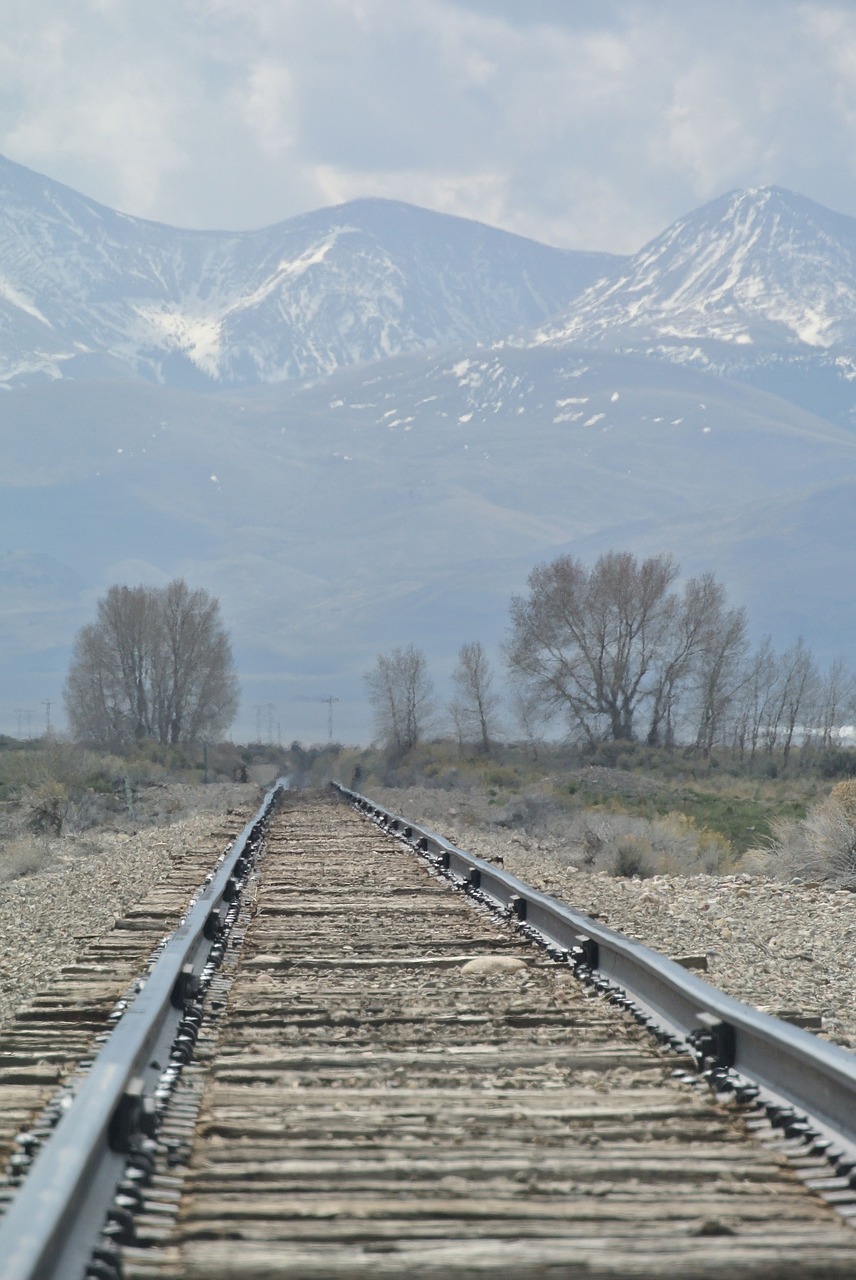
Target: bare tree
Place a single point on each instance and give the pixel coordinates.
(836, 702)
(400, 691)
(781, 697)
(191, 660)
(719, 671)
(475, 705)
(799, 678)
(530, 714)
(755, 700)
(793, 678)
(106, 690)
(591, 643)
(157, 663)
(127, 622)
(700, 645)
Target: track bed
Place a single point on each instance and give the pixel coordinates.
(371, 1103)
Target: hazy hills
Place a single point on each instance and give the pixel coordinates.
(476, 405)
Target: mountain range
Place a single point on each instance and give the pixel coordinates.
(86, 291)
(364, 426)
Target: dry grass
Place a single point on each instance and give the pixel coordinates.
(624, 844)
(24, 855)
(820, 847)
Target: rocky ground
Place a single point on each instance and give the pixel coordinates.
(55, 890)
(782, 946)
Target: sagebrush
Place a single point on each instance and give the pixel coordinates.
(821, 846)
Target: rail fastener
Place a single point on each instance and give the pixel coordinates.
(761, 1060)
(70, 1201)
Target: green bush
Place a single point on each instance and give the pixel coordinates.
(632, 858)
(47, 807)
(837, 762)
(624, 844)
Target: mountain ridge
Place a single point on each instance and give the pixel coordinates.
(81, 284)
(738, 255)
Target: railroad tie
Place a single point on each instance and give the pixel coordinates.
(398, 1086)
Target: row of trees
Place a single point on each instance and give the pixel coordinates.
(156, 663)
(401, 692)
(619, 652)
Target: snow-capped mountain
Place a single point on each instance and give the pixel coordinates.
(764, 268)
(85, 290)
(364, 426)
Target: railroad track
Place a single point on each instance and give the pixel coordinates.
(389, 1079)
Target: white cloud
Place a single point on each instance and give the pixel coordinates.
(268, 106)
(586, 124)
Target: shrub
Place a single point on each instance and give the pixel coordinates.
(627, 845)
(622, 844)
(23, 856)
(837, 762)
(821, 846)
(844, 793)
(47, 806)
(501, 776)
(631, 858)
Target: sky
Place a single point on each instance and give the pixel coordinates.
(587, 124)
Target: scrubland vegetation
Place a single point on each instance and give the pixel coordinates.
(683, 750)
(639, 811)
(55, 795)
(623, 808)
(687, 750)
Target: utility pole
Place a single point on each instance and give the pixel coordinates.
(47, 704)
(330, 702)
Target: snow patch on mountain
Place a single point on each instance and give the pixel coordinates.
(199, 337)
(296, 267)
(755, 268)
(18, 299)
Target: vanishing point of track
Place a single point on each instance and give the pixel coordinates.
(390, 1081)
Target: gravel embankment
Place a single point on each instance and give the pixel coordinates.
(781, 946)
(89, 881)
(778, 945)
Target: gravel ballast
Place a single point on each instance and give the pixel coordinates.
(782, 946)
(90, 880)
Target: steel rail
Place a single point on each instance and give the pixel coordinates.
(57, 1217)
(808, 1084)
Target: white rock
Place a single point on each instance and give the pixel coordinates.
(493, 964)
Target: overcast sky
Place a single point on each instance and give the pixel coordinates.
(583, 123)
